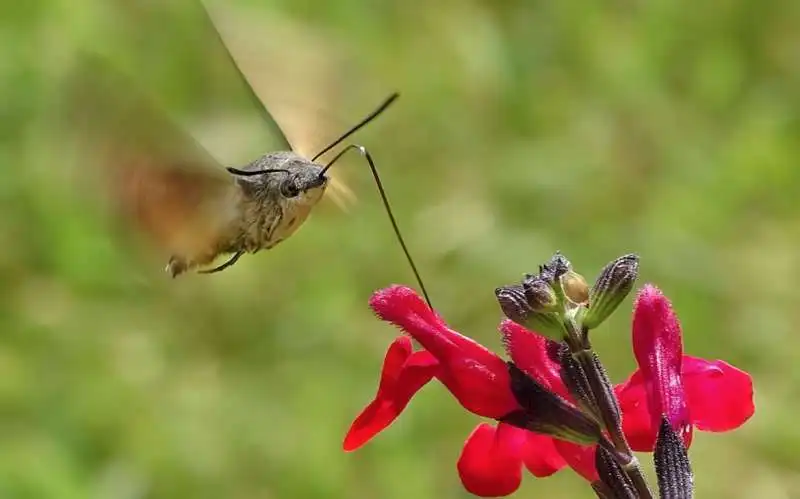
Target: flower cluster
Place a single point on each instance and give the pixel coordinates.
(552, 402)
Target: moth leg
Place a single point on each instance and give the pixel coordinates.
(176, 266)
(225, 265)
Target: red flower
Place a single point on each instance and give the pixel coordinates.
(474, 375)
(491, 461)
(535, 354)
(692, 392)
(404, 373)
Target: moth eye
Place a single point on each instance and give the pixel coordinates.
(289, 189)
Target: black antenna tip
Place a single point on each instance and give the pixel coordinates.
(389, 100)
(393, 97)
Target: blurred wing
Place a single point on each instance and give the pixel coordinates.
(298, 71)
(175, 51)
(158, 177)
(227, 63)
(293, 67)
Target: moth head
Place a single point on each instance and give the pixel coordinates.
(285, 176)
(305, 184)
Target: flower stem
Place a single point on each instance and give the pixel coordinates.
(603, 392)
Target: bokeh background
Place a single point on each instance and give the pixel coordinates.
(666, 128)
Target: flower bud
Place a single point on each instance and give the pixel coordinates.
(555, 268)
(615, 282)
(575, 287)
(545, 412)
(540, 294)
(549, 324)
(674, 472)
(576, 381)
(614, 482)
(514, 304)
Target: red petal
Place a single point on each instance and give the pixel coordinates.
(658, 347)
(579, 458)
(636, 421)
(720, 395)
(401, 306)
(397, 354)
(373, 419)
(481, 387)
(491, 462)
(474, 375)
(404, 373)
(529, 351)
(541, 456)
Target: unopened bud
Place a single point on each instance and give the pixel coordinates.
(576, 381)
(615, 282)
(549, 324)
(674, 472)
(514, 304)
(545, 412)
(540, 294)
(614, 482)
(555, 268)
(575, 287)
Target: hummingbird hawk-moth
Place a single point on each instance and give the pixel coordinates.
(166, 184)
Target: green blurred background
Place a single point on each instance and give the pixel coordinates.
(666, 128)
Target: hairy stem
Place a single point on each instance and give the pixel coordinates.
(607, 404)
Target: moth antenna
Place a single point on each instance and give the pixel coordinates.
(252, 173)
(371, 116)
(388, 208)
